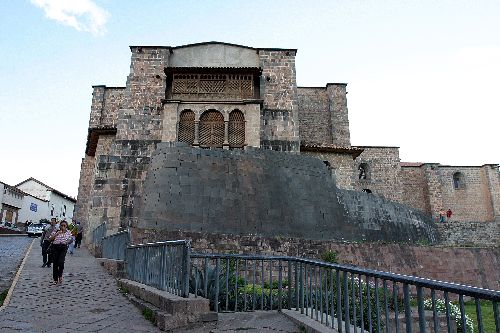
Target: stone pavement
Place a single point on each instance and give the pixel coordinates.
(87, 301)
(12, 249)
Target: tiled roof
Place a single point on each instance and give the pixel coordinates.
(331, 148)
(49, 188)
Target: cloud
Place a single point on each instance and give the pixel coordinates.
(83, 15)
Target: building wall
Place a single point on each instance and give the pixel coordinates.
(27, 214)
(85, 185)
(278, 89)
(337, 100)
(383, 174)
(314, 116)
(473, 201)
(342, 167)
(35, 189)
(415, 188)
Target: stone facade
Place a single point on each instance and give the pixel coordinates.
(212, 81)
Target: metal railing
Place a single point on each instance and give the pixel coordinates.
(98, 234)
(346, 298)
(114, 246)
(163, 265)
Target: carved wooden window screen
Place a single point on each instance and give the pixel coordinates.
(186, 127)
(212, 86)
(211, 129)
(236, 129)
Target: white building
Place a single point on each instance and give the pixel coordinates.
(11, 200)
(59, 205)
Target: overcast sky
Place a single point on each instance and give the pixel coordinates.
(422, 75)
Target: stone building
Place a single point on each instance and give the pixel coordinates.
(220, 95)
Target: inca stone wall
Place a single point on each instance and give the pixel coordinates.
(469, 266)
(267, 193)
(279, 115)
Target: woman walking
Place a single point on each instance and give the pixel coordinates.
(60, 241)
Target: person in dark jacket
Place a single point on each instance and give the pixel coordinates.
(45, 242)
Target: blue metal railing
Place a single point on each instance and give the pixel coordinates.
(114, 246)
(98, 234)
(163, 265)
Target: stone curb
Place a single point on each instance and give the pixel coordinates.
(16, 278)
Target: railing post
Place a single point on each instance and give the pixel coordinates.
(186, 262)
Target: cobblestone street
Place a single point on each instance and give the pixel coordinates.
(12, 249)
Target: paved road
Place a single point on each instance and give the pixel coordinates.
(87, 301)
(12, 249)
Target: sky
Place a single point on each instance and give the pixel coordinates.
(422, 75)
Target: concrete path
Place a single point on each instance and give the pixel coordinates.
(87, 301)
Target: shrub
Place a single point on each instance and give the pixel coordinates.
(454, 313)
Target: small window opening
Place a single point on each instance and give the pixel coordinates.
(367, 190)
(458, 180)
(363, 171)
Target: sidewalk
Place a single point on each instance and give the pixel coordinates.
(87, 301)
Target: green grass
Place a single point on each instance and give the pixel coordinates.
(149, 315)
(487, 315)
(3, 295)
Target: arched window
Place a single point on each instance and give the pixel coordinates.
(363, 171)
(211, 129)
(186, 127)
(236, 129)
(458, 180)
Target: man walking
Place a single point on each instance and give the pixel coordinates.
(448, 215)
(45, 242)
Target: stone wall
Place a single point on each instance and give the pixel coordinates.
(469, 233)
(383, 174)
(278, 89)
(269, 193)
(471, 202)
(342, 166)
(85, 184)
(314, 116)
(468, 266)
(337, 103)
(415, 190)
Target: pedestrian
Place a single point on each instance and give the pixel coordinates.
(45, 241)
(71, 247)
(79, 234)
(448, 215)
(442, 214)
(60, 241)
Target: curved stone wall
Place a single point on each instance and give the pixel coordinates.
(262, 192)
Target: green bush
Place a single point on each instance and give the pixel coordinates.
(454, 313)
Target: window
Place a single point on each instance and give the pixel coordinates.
(458, 180)
(186, 127)
(211, 129)
(363, 171)
(236, 129)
